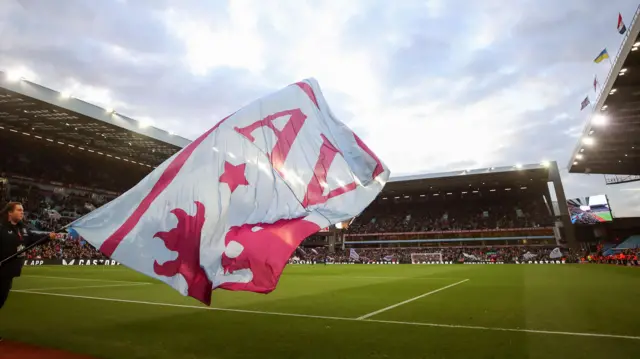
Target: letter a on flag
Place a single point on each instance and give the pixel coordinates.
(229, 209)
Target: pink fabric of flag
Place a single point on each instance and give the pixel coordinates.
(229, 209)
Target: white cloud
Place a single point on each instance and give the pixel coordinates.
(235, 43)
(17, 73)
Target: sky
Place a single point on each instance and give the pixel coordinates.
(429, 85)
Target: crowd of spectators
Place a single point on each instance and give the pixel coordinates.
(48, 209)
(68, 248)
(506, 254)
(624, 257)
(452, 214)
(44, 162)
(52, 205)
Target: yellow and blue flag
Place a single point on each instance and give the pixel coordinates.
(603, 55)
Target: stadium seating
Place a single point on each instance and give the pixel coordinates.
(454, 214)
(632, 242)
(54, 194)
(45, 162)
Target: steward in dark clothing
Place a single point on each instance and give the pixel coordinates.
(14, 236)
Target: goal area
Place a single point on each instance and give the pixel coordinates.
(417, 258)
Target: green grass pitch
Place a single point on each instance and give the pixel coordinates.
(337, 311)
(605, 215)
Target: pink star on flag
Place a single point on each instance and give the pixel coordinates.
(234, 175)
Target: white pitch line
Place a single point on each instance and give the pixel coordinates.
(409, 300)
(81, 279)
(435, 325)
(373, 277)
(89, 286)
(533, 331)
(435, 278)
(180, 305)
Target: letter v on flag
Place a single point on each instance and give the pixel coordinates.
(229, 209)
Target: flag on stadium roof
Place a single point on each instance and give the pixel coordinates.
(621, 27)
(601, 56)
(230, 208)
(595, 83)
(585, 103)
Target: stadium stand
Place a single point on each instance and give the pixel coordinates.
(450, 255)
(506, 206)
(454, 214)
(630, 243)
(64, 158)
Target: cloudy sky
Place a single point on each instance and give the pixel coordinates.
(430, 85)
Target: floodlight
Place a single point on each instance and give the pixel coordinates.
(599, 120)
(14, 75)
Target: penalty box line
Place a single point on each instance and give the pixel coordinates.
(410, 300)
(434, 325)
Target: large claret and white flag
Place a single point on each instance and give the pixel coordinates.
(229, 209)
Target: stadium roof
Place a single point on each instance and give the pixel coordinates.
(517, 176)
(32, 110)
(610, 143)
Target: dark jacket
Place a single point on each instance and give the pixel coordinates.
(14, 237)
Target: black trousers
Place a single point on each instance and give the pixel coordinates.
(5, 287)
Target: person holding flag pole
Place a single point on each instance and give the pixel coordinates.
(15, 240)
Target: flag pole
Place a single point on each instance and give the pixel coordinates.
(28, 248)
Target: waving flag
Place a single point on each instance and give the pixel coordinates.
(354, 255)
(585, 103)
(229, 209)
(555, 253)
(621, 27)
(470, 257)
(601, 56)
